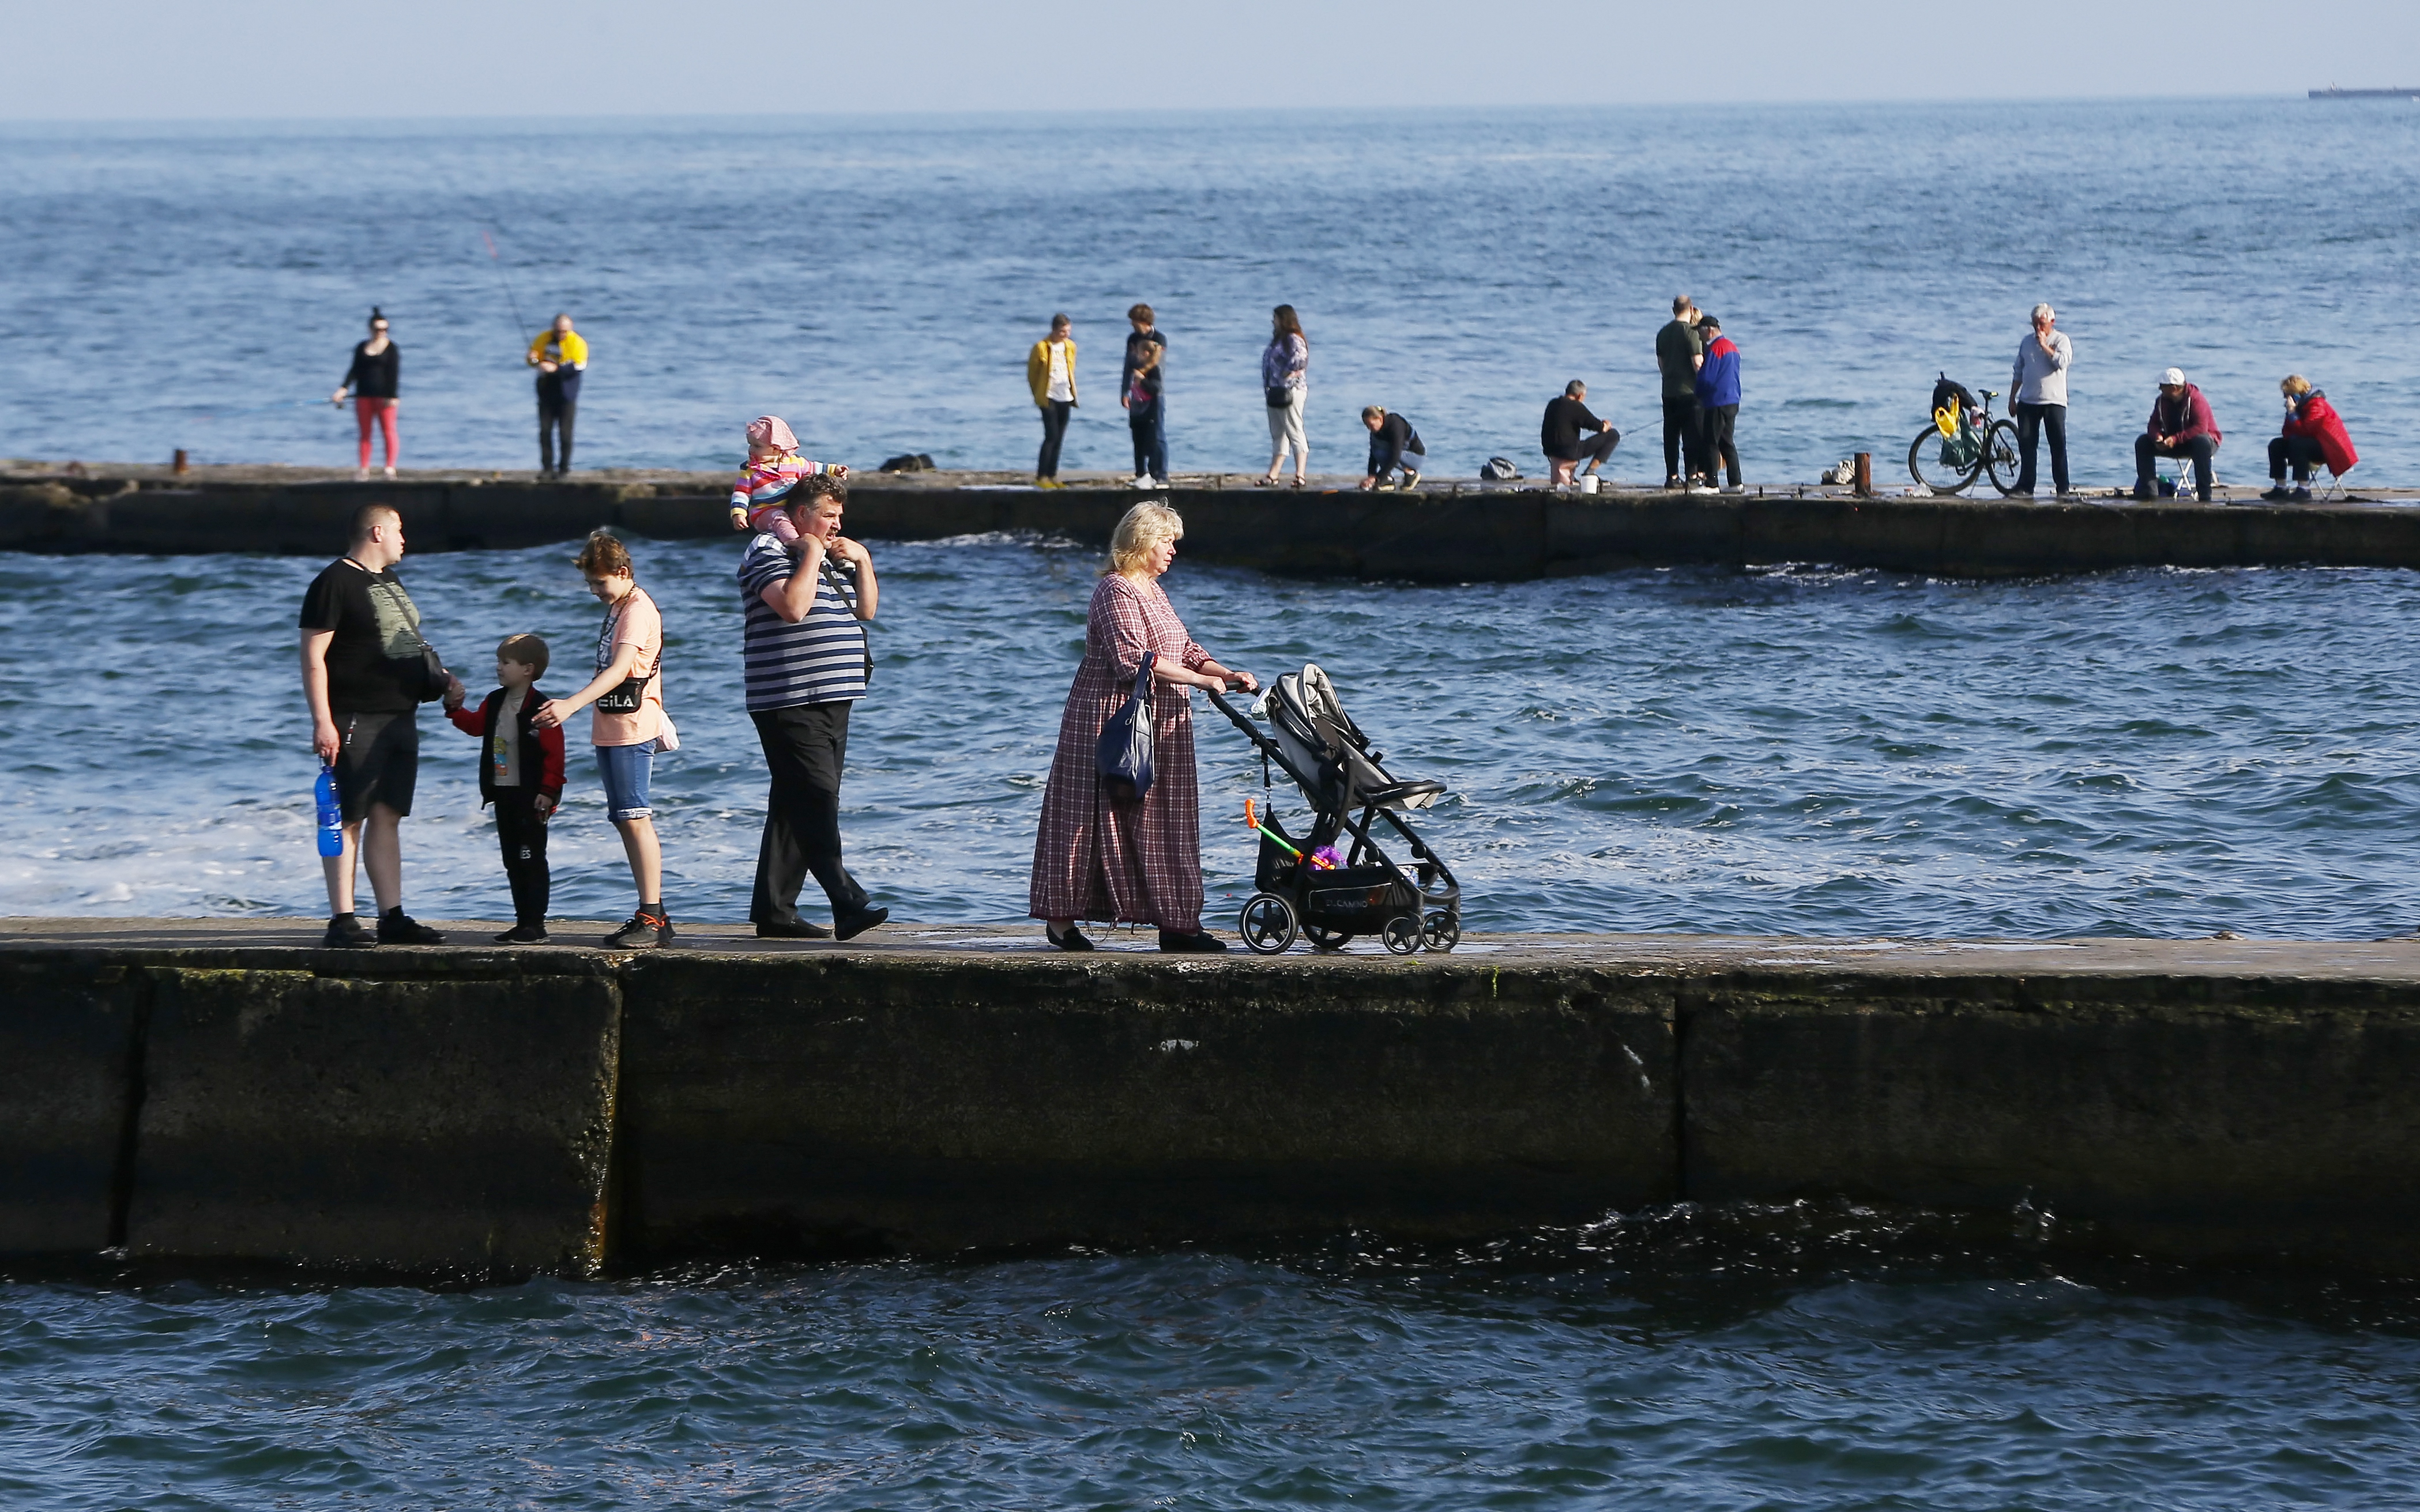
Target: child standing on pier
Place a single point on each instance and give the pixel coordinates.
(760, 498)
(520, 772)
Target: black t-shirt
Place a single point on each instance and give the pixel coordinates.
(1566, 417)
(1138, 346)
(374, 663)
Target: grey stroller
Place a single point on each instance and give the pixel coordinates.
(1365, 892)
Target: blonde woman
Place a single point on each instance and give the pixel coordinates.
(1133, 863)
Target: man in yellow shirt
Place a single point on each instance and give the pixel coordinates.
(560, 357)
(1050, 372)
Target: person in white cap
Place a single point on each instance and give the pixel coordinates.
(2180, 426)
(2037, 392)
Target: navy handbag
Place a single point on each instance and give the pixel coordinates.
(1124, 755)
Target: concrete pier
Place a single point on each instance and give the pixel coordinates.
(1444, 532)
(217, 1090)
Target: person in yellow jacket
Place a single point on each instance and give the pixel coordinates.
(560, 357)
(1050, 372)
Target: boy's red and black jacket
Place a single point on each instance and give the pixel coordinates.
(541, 749)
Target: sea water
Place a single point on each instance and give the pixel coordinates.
(2148, 753)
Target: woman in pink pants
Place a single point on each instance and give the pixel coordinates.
(372, 379)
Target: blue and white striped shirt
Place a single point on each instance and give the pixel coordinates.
(821, 659)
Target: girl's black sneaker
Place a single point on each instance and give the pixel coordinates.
(347, 932)
(644, 931)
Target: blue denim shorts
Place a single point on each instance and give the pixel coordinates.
(627, 770)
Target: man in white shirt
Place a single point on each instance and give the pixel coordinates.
(2037, 393)
(1050, 372)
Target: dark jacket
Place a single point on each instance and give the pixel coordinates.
(1394, 444)
(2315, 417)
(541, 749)
(2183, 418)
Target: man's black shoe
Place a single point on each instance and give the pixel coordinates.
(2301, 496)
(524, 935)
(797, 928)
(396, 927)
(2277, 495)
(2144, 493)
(644, 931)
(856, 924)
(1196, 943)
(347, 932)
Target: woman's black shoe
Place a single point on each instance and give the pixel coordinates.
(524, 935)
(1196, 942)
(1073, 940)
(797, 928)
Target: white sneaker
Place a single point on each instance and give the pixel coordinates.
(1701, 487)
(1144, 480)
(1735, 487)
(390, 472)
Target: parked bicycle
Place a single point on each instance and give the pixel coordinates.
(1949, 458)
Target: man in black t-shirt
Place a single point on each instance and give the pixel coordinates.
(364, 674)
(1139, 391)
(1559, 434)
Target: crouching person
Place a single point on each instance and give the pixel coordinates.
(520, 772)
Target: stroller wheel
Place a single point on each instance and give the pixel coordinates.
(1403, 934)
(1324, 938)
(1266, 923)
(1442, 931)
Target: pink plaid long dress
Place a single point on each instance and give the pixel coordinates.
(1137, 863)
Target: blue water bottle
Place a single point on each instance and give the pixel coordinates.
(331, 813)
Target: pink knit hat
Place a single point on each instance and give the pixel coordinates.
(767, 431)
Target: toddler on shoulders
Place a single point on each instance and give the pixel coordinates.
(774, 468)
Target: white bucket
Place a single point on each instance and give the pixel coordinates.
(1588, 485)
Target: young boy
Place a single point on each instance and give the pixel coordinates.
(520, 772)
(762, 494)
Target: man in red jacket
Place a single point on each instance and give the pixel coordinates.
(2180, 426)
(2313, 434)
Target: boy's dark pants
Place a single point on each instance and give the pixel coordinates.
(520, 835)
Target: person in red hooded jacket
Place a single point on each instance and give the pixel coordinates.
(2313, 434)
(2182, 426)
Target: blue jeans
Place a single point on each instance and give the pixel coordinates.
(1149, 423)
(627, 770)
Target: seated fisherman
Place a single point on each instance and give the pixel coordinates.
(2182, 426)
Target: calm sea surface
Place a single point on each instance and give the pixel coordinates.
(2159, 753)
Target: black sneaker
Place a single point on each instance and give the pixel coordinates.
(2276, 495)
(2301, 496)
(856, 924)
(345, 931)
(524, 935)
(644, 931)
(396, 927)
(1195, 943)
(797, 928)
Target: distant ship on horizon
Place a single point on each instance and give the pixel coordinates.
(2331, 92)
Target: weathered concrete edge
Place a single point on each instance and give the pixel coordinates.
(1866, 1080)
(1505, 536)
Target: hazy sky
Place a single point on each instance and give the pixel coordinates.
(99, 59)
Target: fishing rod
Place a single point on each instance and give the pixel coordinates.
(210, 415)
(518, 324)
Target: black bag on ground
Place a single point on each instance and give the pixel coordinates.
(1124, 755)
(1498, 470)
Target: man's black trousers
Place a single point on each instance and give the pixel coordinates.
(1054, 430)
(555, 412)
(805, 747)
(2034, 422)
(521, 836)
(2200, 449)
(1684, 429)
(1720, 419)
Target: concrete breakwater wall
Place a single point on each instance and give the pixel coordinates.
(1431, 536)
(217, 1092)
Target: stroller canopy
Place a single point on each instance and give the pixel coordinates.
(1317, 737)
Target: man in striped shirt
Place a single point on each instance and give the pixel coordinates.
(807, 661)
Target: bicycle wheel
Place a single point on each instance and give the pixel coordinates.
(1924, 464)
(2000, 456)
